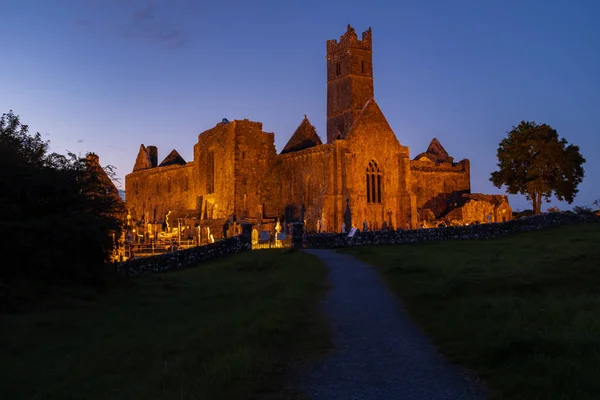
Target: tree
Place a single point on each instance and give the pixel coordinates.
(535, 162)
(57, 215)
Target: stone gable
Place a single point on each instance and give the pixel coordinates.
(304, 137)
(172, 159)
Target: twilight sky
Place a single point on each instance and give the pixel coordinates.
(108, 75)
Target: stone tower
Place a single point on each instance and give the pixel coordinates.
(349, 81)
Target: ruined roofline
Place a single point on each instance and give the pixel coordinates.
(498, 199)
(146, 158)
(426, 166)
(302, 153)
(305, 136)
(172, 159)
(234, 124)
(436, 153)
(93, 165)
(156, 170)
(350, 40)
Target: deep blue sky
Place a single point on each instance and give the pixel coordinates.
(108, 75)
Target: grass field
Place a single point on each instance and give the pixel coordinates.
(521, 312)
(234, 328)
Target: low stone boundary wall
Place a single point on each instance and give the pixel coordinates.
(184, 258)
(483, 231)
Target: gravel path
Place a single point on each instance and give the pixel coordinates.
(378, 352)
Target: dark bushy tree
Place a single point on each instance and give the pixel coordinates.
(57, 216)
(535, 162)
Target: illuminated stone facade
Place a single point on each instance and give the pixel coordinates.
(237, 171)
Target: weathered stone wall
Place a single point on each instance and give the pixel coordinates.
(152, 193)
(480, 208)
(307, 177)
(373, 141)
(436, 185)
(257, 178)
(214, 156)
(483, 231)
(184, 258)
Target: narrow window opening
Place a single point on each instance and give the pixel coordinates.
(362, 66)
(368, 188)
(338, 69)
(373, 193)
(373, 181)
(210, 172)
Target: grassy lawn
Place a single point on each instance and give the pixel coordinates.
(234, 328)
(521, 312)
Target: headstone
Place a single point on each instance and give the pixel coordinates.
(352, 232)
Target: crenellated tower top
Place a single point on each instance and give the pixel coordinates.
(349, 80)
(349, 40)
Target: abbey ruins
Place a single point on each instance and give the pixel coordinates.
(237, 174)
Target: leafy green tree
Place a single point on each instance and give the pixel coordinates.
(535, 162)
(57, 213)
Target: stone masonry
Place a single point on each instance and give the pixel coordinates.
(237, 174)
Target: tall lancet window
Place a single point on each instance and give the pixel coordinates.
(373, 182)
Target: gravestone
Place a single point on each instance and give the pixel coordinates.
(352, 232)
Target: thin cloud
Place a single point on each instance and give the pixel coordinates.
(145, 23)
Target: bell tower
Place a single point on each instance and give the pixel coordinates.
(349, 81)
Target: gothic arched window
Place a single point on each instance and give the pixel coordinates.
(373, 182)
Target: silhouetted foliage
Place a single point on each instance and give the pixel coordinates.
(583, 210)
(535, 162)
(57, 216)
